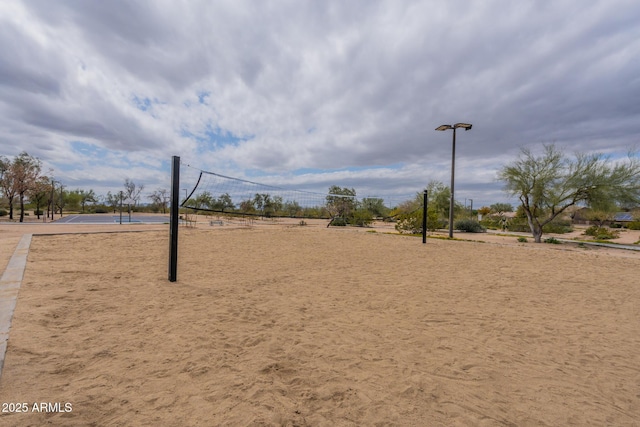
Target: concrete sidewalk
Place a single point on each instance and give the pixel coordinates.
(9, 286)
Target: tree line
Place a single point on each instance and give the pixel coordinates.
(546, 185)
(340, 205)
(22, 183)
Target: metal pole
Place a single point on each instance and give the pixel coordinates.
(453, 167)
(424, 218)
(61, 198)
(121, 208)
(52, 202)
(174, 215)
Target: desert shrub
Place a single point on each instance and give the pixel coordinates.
(339, 222)
(601, 233)
(552, 240)
(361, 217)
(302, 223)
(522, 239)
(3, 212)
(101, 210)
(492, 223)
(469, 225)
(519, 225)
(615, 225)
(411, 223)
(634, 225)
(558, 227)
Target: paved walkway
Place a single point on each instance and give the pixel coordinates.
(9, 286)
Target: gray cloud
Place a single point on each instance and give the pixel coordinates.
(319, 85)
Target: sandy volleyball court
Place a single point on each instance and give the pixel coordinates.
(322, 327)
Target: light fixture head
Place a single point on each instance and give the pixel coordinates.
(444, 127)
(465, 126)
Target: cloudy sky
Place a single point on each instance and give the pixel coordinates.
(314, 93)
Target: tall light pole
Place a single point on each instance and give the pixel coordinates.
(465, 126)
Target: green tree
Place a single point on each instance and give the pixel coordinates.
(60, 200)
(160, 198)
(439, 197)
(501, 208)
(548, 184)
(224, 203)
(39, 194)
(113, 200)
(341, 201)
(375, 206)
(247, 206)
(409, 215)
(203, 200)
(73, 199)
(87, 197)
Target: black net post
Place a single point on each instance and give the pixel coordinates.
(424, 218)
(174, 218)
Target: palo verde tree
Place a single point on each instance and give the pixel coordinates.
(341, 202)
(87, 197)
(549, 183)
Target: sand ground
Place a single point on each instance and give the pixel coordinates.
(290, 325)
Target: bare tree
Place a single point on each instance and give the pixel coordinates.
(17, 177)
(160, 198)
(7, 182)
(132, 191)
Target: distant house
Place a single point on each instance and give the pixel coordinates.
(623, 217)
(581, 216)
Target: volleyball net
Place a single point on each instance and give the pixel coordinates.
(216, 193)
(210, 192)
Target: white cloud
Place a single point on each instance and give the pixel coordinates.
(328, 86)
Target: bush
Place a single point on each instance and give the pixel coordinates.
(558, 227)
(361, 218)
(601, 233)
(519, 225)
(101, 210)
(615, 225)
(634, 225)
(469, 225)
(338, 222)
(522, 239)
(552, 240)
(491, 223)
(3, 212)
(411, 223)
